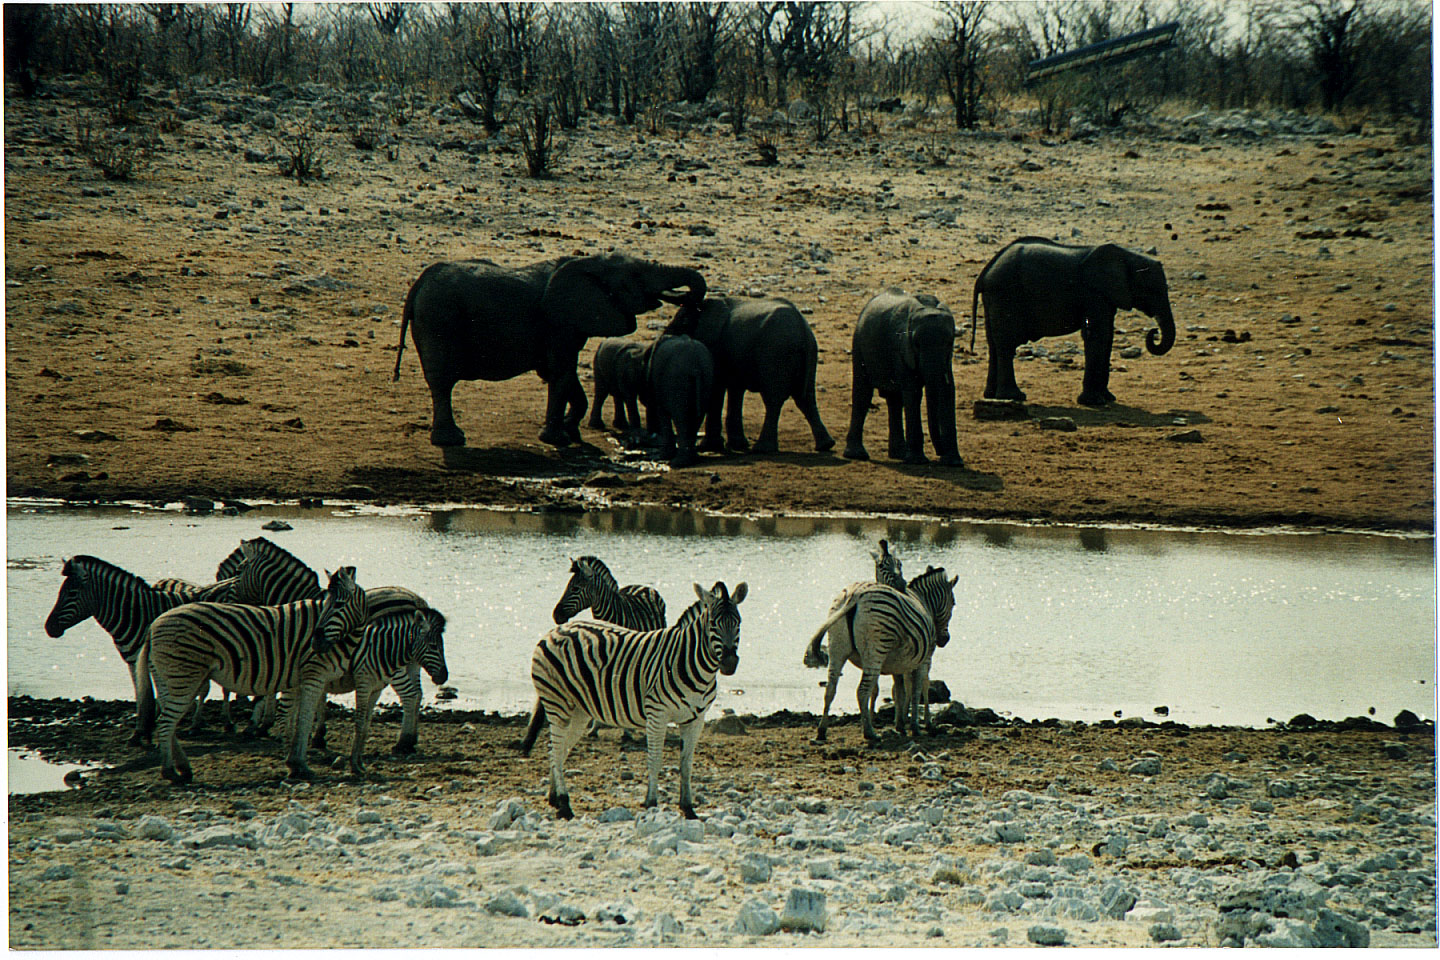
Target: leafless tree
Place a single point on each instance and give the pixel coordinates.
(957, 49)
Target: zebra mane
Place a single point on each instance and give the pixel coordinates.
(928, 579)
(292, 565)
(594, 569)
(96, 565)
(690, 614)
(230, 566)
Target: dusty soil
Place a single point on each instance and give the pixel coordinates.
(433, 815)
(213, 329)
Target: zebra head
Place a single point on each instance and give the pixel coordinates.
(76, 602)
(343, 611)
(269, 575)
(720, 619)
(429, 634)
(938, 595)
(588, 576)
(887, 567)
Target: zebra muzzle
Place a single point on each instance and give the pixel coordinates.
(728, 663)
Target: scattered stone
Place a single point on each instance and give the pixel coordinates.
(1164, 932)
(153, 827)
(804, 911)
(61, 871)
(1062, 424)
(507, 813)
(755, 868)
(1145, 767)
(221, 835)
(276, 525)
(756, 919)
(1000, 410)
(1280, 788)
(1046, 936)
(507, 905)
(1186, 436)
(616, 815)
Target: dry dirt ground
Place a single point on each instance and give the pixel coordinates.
(214, 329)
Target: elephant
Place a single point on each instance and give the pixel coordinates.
(1036, 288)
(619, 368)
(477, 320)
(902, 347)
(681, 380)
(765, 346)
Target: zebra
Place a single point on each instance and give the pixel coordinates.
(392, 643)
(268, 574)
(887, 567)
(253, 650)
(641, 681)
(884, 630)
(634, 607)
(124, 605)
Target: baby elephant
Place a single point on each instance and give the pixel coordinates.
(681, 376)
(902, 347)
(619, 368)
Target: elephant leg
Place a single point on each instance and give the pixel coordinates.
(769, 441)
(861, 390)
(735, 420)
(940, 409)
(443, 431)
(808, 407)
(554, 432)
(576, 403)
(914, 439)
(1002, 360)
(894, 404)
(712, 442)
(597, 418)
(1099, 335)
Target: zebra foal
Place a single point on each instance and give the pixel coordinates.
(587, 671)
(258, 651)
(592, 585)
(884, 630)
(124, 605)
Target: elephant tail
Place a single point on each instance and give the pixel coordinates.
(974, 313)
(405, 316)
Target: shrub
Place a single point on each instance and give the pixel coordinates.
(304, 149)
(119, 154)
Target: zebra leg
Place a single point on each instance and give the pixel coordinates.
(409, 691)
(900, 693)
(311, 696)
(322, 709)
(654, 744)
(689, 736)
(144, 700)
(262, 716)
(197, 722)
(920, 696)
(366, 693)
(837, 664)
(170, 706)
(564, 734)
(869, 680)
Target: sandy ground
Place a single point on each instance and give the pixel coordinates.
(216, 330)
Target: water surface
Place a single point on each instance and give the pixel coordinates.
(1049, 621)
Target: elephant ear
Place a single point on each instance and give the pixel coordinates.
(1107, 271)
(578, 296)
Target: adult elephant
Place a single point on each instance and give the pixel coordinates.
(764, 346)
(902, 347)
(1039, 288)
(477, 320)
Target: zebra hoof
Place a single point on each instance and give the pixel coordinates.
(688, 811)
(405, 746)
(819, 737)
(299, 771)
(562, 808)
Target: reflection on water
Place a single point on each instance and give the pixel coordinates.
(28, 772)
(1049, 620)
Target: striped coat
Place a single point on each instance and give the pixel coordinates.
(253, 650)
(588, 671)
(884, 630)
(592, 585)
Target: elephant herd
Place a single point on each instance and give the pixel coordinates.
(477, 320)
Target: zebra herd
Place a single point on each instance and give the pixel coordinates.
(266, 628)
(263, 629)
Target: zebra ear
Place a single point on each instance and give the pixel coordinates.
(741, 589)
(702, 593)
(954, 580)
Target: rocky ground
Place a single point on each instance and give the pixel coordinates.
(1113, 834)
(214, 329)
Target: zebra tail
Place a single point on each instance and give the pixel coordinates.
(144, 692)
(814, 656)
(537, 720)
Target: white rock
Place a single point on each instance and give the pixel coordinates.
(1150, 911)
(755, 868)
(756, 919)
(156, 828)
(1046, 936)
(804, 911)
(487, 845)
(616, 815)
(222, 835)
(507, 905)
(365, 817)
(823, 869)
(902, 832)
(507, 813)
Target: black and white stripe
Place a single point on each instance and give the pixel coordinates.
(592, 585)
(588, 670)
(124, 605)
(395, 645)
(255, 650)
(887, 567)
(882, 630)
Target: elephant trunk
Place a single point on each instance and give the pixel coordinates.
(1160, 341)
(676, 278)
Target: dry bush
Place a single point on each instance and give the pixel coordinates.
(304, 149)
(119, 154)
(535, 128)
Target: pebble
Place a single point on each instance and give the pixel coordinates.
(756, 919)
(507, 905)
(1046, 936)
(804, 911)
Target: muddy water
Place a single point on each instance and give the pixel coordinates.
(1068, 622)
